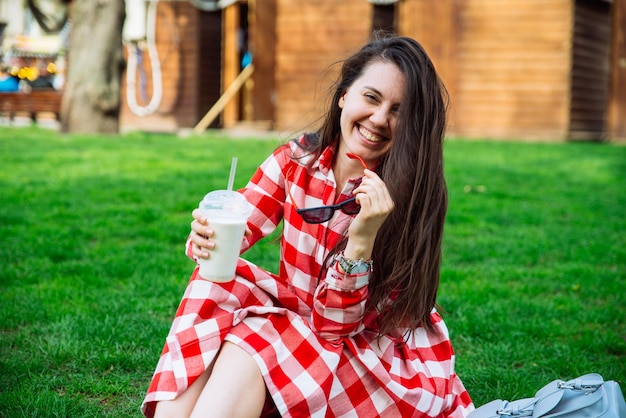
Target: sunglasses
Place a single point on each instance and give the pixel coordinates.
(322, 214)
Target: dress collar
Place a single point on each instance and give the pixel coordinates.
(325, 160)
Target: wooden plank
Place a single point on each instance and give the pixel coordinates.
(228, 95)
(262, 30)
(502, 73)
(513, 122)
(37, 101)
(231, 65)
(507, 117)
(617, 96)
(487, 7)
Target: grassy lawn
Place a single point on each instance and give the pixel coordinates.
(92, 266)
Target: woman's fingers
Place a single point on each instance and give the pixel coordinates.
(376, 204)
(201, 244)
(200, 235)
(197, 215)
(373, 195)
(202, 232)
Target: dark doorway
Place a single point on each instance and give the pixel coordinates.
(590, 70)
(384, 18)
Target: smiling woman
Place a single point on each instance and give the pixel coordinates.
(345, 328)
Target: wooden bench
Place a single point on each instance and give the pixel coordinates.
(34, 102)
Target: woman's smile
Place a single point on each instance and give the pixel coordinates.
(371, 136)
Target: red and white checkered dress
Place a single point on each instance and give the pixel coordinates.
(318, 353)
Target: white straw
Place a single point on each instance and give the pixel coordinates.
(233, 168)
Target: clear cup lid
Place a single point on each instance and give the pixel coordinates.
(228, 203)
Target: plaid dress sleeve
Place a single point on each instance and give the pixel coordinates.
(339, 304)
(266, 192)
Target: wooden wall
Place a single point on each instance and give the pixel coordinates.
(434, 24)
(514, 65)
(527, 69)
(189, 48)
(310, 36)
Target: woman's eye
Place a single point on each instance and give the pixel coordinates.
(370, 97)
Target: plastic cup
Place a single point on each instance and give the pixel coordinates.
(227, 213)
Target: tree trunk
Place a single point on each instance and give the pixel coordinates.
(91, 101)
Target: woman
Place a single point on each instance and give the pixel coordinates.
(348, 327)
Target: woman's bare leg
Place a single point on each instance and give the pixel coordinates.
(183, 405)
(235, 388)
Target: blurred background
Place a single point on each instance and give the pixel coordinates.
(515, 69)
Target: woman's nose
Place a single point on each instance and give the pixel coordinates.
(380, 117)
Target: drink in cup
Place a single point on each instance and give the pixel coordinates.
(227, 212)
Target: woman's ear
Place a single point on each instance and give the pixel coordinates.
(340, 103)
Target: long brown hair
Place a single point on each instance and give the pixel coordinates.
(407, 250)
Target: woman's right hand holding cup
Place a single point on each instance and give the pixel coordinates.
(200, 235)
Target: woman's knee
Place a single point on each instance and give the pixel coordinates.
(235, 376)
(183, 405)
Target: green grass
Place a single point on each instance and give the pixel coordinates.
(92, 230)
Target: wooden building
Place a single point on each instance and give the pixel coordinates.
(518, 69)
(527, 68)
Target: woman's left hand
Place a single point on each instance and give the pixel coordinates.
(376, 204)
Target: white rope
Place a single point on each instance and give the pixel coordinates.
(131, 72)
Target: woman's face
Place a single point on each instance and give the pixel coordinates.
(370, 111)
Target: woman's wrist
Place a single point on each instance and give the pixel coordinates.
(356, 249)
